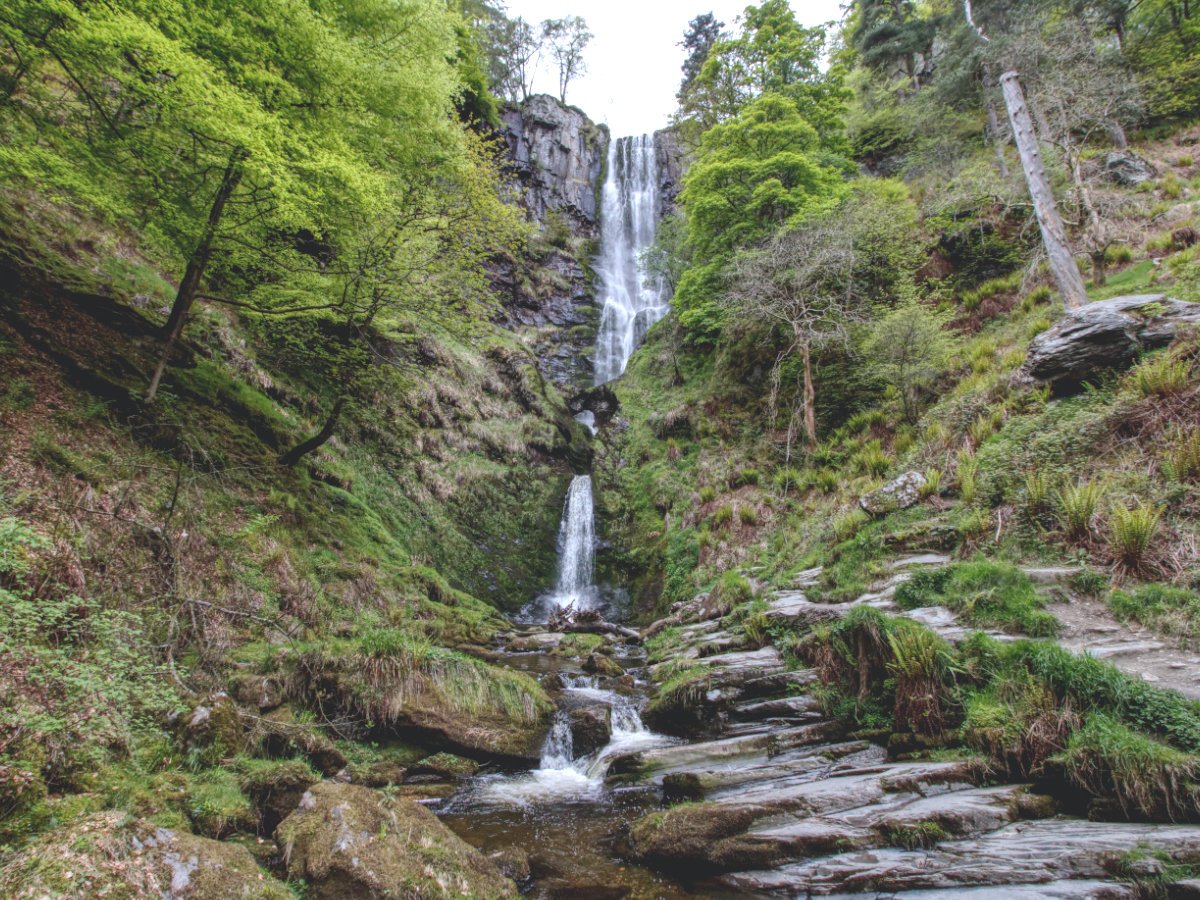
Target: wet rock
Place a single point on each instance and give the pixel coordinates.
(901, 493)
(599, 664)
(276, 789)
(591, 728)
(539, 642)
(512, 862)
(1105, 336)
(263, 692)
(110, 855)
(348, 841)
(381, 773)
(1128, 168)
(681, 787)
(446, 766)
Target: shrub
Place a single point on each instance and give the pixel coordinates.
(922, 663)
(1037, 493)
(723, 515)
(1181, 461)
(789, 478)
(933, 483)
(747, 515)
(1039, 295)
(828, 481)
(746, 477)
(1131, 530)
(1160, 376)
(1118, 255)
(871, 460)
(847, 524)
(733, 589)
(967, 473)
(1170, 187)
(1077, 505)
(708, 494)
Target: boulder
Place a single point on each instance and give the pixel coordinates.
(446, 766)
(1127, 168)
(275, 790)
(1105, 336)
(591, 728)
(281, 735)
(599, 664)
(110, 855)
(350, 841)
(212, 730)
(900, 493)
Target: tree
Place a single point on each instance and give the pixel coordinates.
(514, 49)
(703, 32)
(567, 39)
(908, 349)
(891, 37)
(751, 175)
(1054, 234)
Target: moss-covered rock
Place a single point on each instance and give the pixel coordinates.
(349, 841)
(111, 855)
(275, 788)
(212, 729)
(279, 734)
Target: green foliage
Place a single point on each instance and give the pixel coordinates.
(871, 460)
(733, 589)
(1181, 460)
(1077, 505)
(908, 349)
(983, 593)
(1160, 376)
(1131, 531)
(1166, 609)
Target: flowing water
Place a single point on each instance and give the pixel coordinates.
(576, 549)
(632, 299)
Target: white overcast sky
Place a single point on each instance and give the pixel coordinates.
(633, 60)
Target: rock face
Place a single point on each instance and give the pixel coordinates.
(108, 855)
(1105, 336)
(900, 493)
(349, 841)
(1127, 168)
(671, 166)
(557, 156)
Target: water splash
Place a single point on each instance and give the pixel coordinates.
(632, 299)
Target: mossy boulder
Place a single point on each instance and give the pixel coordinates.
(275, 788)
(264, 692)
(707, 836)
(599, 664)
(445, 765)
(350, 841)
(110, 855)
(591, 728)
(212, 729)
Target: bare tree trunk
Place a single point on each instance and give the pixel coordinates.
(1098, 275)
(318, 440)
(1054, 235)
(993, 122)
(194, 273)
(1117, 133)
(810, 395)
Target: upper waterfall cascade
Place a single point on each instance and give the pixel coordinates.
(632, 299)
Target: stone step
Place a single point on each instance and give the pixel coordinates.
(802, 707)
(1046, 852)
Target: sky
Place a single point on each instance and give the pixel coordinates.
(633, 60)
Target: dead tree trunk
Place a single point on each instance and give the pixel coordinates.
(1054, 234)
(318, 440)
(194, 273)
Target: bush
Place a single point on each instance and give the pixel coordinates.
(967, 473)
(1160, 376)
(1131, 530)
(1077, 505)
(933, 483)
(708, 494)
(723, 515)
(747, 515)
(871, 460)
(1181, 462)
(733, 589)
(1118, 255)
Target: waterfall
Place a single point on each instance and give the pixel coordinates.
(633, 301)
(576, 546)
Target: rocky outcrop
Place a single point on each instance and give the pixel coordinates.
(1105, 336)
(349, 841)
(671, 165)
(591, 728)
(110, 855)
(557, 160)
(558, 157)
(1127, 168)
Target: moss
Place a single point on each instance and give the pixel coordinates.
(983, 593)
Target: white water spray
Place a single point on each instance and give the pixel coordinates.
(633, 301)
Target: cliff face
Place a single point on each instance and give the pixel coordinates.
(557, 157)
(671, 166)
